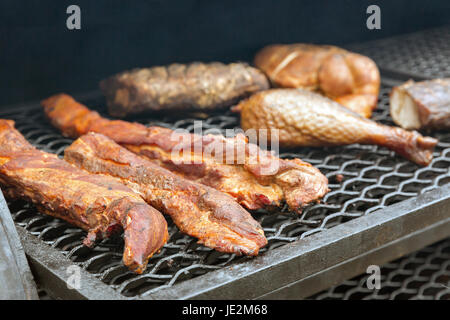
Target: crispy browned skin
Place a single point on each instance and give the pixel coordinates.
(348, 78)
(305, 118)
(255, 179)
(213, 217)
(96, 203)
(194, 86)
(422, 105)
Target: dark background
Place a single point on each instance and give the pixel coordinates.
(39, 56)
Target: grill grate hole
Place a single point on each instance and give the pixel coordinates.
(372, 178)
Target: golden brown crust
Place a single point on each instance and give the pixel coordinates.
(349, 78)
(194, 86)
(256, 179)
(96, 203)
(432, 103)
(305, 118)
(202, 212)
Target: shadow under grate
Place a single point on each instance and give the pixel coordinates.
(372, 178)
(423, 275)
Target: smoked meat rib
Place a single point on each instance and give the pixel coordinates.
(255, 178)
(213, 217)
(96, 203)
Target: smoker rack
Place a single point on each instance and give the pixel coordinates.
(327, 244)
(423, 275)
(373, 178)
(419, 55)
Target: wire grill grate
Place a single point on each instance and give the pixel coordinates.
(423, 275)
(421, 54)
(373, 178)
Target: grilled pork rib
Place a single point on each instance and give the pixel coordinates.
(96, 203)
(213, 217)
(255, 178)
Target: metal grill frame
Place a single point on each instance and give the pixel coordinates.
(422, 275)
(294, 270)
(298, 269)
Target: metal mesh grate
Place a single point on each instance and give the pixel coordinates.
(423, 275)
(421, 54)
(373, 178)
